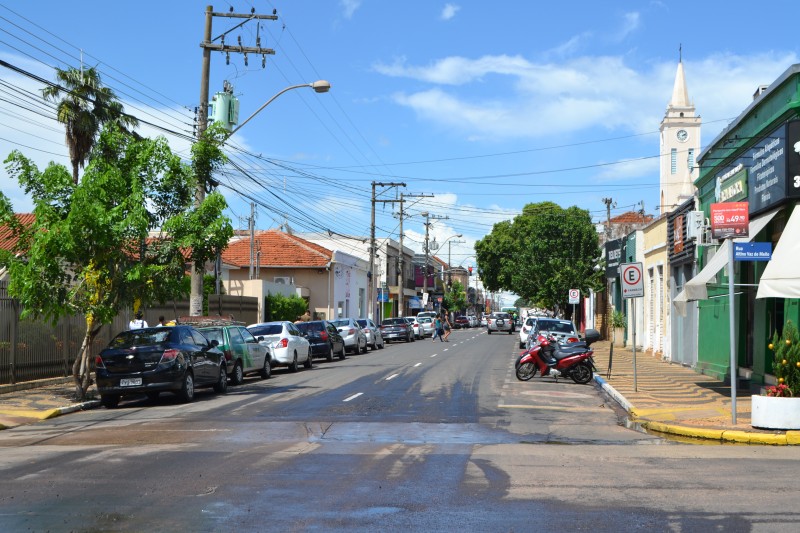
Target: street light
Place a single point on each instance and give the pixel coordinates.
(196, 288)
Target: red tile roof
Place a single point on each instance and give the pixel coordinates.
(278, 249)
(7, 240)
(631, 217)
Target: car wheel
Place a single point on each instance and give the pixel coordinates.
(342, 354)
(221, 386)
(489, 332)
(266, 371)
(109, 401)
(329, 356)
(309, 363)
(521, 344)
(186, 393)
(293, 364)
(358, 347)
(238, 374)
(382, 345)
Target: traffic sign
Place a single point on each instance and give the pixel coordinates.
(632, 280)
(574, 296)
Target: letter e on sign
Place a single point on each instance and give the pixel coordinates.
(632, 280)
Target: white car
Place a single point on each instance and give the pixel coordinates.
(287, 345)
(423, 327)
(527, 328)
(355, 340)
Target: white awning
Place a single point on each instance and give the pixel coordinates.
(696, 288)
(781, 277)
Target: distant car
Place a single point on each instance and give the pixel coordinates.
(425, 326)
(474, 321)
(243, 353)
(373, 333)
(500, 322)
(286, 344)
(527, 328)
(323, 338)
(484, 320)
(411, 320)
(355, 340)
(394, 329)
(153, 360)
(563, 330)
(461, 322)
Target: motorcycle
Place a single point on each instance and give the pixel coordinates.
(549, 358)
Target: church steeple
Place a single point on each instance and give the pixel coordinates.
(680, 94)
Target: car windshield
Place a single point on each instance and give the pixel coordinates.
(394, 322)
(555, 326)
(340, 323)
(267, 329)
(213, 334)
(424, 320)
(140, 337)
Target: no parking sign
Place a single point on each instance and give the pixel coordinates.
(574, 296)
(632, 280)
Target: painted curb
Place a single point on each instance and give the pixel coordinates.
(47, 414)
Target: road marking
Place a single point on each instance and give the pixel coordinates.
(445, 349)
(417, 364)
(392, 377)
(434, 355)
(353, 397)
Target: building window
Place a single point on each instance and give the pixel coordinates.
(674, 161)
(691, 159)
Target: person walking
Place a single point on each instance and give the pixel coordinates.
(138, 322)
(447, 326)
(161, 321)
(438, 329)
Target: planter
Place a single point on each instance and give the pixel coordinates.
(775, 413)
(619, 337)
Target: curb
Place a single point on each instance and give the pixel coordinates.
(47, 414)
(788, 438)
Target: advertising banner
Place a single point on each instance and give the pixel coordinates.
(768, 171)
(730, 220)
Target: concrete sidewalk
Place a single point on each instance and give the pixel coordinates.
(26, 403)
(674, 399)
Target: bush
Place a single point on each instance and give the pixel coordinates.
(280, 307)
(618, 319)
(786, 364)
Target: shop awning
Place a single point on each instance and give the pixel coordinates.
(781, 277)
(696, 288)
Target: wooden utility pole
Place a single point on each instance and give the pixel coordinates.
(196, 295)
(428, 218)
(372, 245)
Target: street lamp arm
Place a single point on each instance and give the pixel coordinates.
(320, 86)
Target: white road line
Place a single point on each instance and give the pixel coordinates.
(353, 397)
(392, 377)
(434, 355)
(445, 349)
(417, 364)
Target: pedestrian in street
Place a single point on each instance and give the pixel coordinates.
(447, 326)
(138, 322)
(161, 321)
(438, 329)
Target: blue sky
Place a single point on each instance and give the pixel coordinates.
(486, 106)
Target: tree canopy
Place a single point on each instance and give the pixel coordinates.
(541, 254)
(90, 250)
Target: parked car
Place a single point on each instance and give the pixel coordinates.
(527, 328)
(460, 322)
(355, 340)
(485, 320)
(425, 326)
(410, 320)
(243, 353)
(323, 338)
(176, 359)
(429, 314)
(474, 321)
(374, 338)
(394, 329)
(500, 322)
(287, 345)
(563, 330)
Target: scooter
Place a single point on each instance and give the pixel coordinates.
(550, 358)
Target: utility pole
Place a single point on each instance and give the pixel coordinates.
(252, 227)
(372, 245)
(428, 217)
(607, 314)
(196, 296)
(608, 202)
(449, 264)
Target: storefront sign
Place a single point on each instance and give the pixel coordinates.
(729, 219)
(768, 171)
(735, 188)
(793, 160)
(677, 232)
(613, 257)
(752, 251)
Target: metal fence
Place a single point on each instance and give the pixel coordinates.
(35, 349)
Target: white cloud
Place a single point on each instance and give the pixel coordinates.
(630, 23)
(349, 7)
(449, 11)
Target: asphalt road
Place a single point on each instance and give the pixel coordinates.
(421, 436)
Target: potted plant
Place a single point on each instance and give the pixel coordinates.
(618, 322)
(779, 406)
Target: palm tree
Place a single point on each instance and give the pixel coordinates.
(85, 106)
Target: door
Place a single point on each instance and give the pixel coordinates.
(258, 353)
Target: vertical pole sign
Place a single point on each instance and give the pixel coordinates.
(632, 287)
(574, 298)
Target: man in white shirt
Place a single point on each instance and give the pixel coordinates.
(138, 322)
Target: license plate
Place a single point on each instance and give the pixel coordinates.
(132, 382)
(500, 322)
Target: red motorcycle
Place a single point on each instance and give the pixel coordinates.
(549, 358)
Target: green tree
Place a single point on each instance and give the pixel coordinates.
(541, 254)
(280, 307)
(455, 299)
(88, 251)
(84, 106)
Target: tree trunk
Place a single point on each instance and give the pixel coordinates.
(81, 369)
